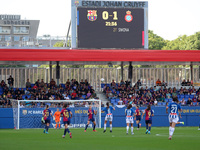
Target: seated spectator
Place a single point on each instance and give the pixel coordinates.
(168, 95)
(122, 82)
(42, 83)
(51, 97)
(158, 83)
(189, 102)
(52, 83)
(3, 83)
(188, 83)
(183, 102)
(35, 87)
(94, 95)
(28, 84)
(184, 83)
(155, 102)
(88, 94)
(37, 82)
(73, 95)
(164, 83)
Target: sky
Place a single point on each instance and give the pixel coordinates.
(167, 18)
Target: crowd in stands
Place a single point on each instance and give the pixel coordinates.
(123, 93)
(46, 91)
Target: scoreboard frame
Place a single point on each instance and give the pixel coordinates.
(93, 5)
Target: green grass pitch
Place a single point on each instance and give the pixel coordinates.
(185, 138)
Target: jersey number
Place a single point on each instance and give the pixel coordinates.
(46, 114)
(173, 109)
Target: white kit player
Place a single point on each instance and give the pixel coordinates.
(174, 109)
(109, 117)
(129, 118)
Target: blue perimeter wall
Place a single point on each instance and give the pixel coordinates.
(190, 116)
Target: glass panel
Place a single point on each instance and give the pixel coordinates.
(16, 38)
(7, 38)
(26, 38)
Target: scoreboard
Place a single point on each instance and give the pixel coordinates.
(109, 24)
(121, 28)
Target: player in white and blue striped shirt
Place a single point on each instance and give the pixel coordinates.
(174, 110)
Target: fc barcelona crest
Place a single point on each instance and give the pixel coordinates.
(92, 15)
(24, 112)
(128, 16)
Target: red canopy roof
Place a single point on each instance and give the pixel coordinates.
(99, 55)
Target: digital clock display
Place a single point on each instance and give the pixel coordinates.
(110, 27)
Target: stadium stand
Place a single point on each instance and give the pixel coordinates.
(47, 91)
(123, 93)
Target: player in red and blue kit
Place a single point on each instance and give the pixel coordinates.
(47, 118)
(138, 117)
(148, 119)
(91, 114)
(67, 115)
(174, 109)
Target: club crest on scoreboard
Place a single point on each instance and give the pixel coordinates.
(92, 15)
(128, 16)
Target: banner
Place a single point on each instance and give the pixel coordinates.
(31, 117)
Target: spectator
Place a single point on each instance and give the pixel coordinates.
(139, 83)
(52, 83)
(10, 81)
(28, 84)
(183, 102)
(189, 102)
(184, 83)
(188, 83)
(158, 83)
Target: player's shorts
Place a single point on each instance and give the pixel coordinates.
(148, 121)
(47, 121)
(173, 118)
(57, 120)
(138, 118)
(66, 122)
(91, 119)
(129, 119)
(109, 117)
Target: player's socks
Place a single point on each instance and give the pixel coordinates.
(171, 131)
(94, 127)
(59, 125)
(182, 123)
(138, 125)
(86, 127)
(47, 128)
(127, 128)
(65, 131)
(149, 128)
(56, 126)
(104, 126)
(131, 129)
(44, 131)
(110, 127)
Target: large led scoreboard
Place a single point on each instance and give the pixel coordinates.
(110, 24)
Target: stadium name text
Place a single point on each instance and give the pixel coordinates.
(113, 4)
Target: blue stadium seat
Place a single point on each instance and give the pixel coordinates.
(84, 96)
(191, 96)
(187, 96)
